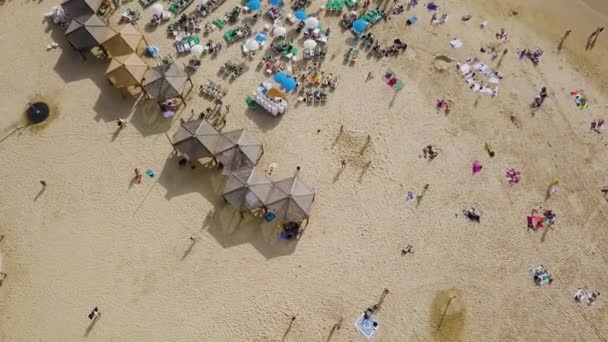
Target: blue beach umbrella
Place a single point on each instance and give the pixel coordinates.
(276, 2)
(280, 77)
(254, 5)
(359, 25)
(289, 84)
(301, 15)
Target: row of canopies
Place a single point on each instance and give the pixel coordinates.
(247, 188)
(125, 46)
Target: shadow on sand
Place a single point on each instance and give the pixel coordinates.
(226, 225)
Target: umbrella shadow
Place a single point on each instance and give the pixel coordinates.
(187, 252)
(231, 229)
(179, 180)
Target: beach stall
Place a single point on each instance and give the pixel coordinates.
(128, 40)
(87, 32)
(248, 189)
(271, 98)
(81, 9)
(196, 139)
(126, 71)
(239, 149)
(166, 82)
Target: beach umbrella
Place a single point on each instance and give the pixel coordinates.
(280, 77)
(157, 9)
(254, 5)
(279, 31)
(359, 25)
(276, 2)
(196, 50)
(301, 15)
(311, 23)
(296, 206)
(309, 44)
(252, 44)
(165, 82)
(289, 84)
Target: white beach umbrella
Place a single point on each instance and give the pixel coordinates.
(197, 50)
(252, 44)
(279, 31)
(311, 23)
(309, 44)
(157, 9)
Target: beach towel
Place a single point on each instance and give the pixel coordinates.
(150, 173)
(431, 6)
(366, 326)
(412, 20)
(456, 43)
(476, 167)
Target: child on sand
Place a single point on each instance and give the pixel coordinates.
(137, 178)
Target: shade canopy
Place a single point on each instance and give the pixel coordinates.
(197, 50)
(126, 70)
(77, 9)
(164, 82)
(309, 44)
(300, 15)
(359, 25)
(128, 40)
(87, 32)
(254, 5)
(279, 31)
(296, 205)
(311, 23)
(252, 44)
(245, 150)
(289, 84)
(196, 139)
(248, 189)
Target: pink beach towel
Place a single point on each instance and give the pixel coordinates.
(476, 167)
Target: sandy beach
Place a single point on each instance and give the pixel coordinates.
(93, 238)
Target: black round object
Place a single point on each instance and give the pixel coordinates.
(38, 112)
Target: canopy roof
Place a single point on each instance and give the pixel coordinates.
(126, 70)
(88, 31)
(165, 82)
(128, 40)
(81, 8)
(196, 139)
(248, 189)
(296, 205)
(244, 150)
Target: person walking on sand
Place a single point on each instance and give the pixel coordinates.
(43, 183)
(137, 178)
(95, 314)
(121, 123)
(369, 76)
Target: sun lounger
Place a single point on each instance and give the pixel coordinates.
(351, 3)
(219, 23)
(176, 8)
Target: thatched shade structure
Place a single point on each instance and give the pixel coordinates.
(88, 32)
(125, 71)
(77, 9)
(248, 189)
(165, 82)
(296, 205)
(128, 40)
